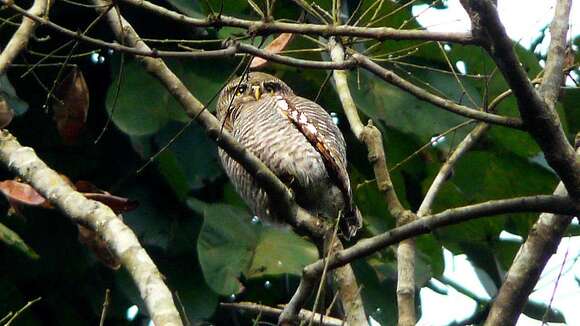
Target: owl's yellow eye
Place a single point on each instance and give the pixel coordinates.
(241, 90)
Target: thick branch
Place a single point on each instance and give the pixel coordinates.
(276, 190)
(265, 28)
(365, 247)
(546, 234)
(527, 267)
(19, 40)
(540, 119)
(420, 93)
(99, 217)
(553, 73)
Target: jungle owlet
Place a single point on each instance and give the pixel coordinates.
(297, 140)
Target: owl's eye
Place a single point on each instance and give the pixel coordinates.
(270, 88)
(241, 89)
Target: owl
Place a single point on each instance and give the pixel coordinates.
(297, 140)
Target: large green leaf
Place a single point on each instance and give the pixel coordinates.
(230, 246)
(402, 111)
(280, 251)
(190, 162)
(378, 289)
(225, 246)
(143, 106)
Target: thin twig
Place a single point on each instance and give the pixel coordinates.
(422, 94)
(20, 38)
(261, 27)
(21, 310)
(105, 308)
(304, 315)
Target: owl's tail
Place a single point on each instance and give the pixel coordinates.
(350, 222)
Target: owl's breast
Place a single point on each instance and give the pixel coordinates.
(264, 130)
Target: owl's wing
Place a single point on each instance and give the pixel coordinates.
(317, 126)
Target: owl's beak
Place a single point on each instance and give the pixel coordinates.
(257, 92)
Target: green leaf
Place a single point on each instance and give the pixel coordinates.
(401, 111)
(191, 8)
(281, 251)
(230, 246)
(186, 279)
(541, 311)
(378, 289)
(225, 247)
(191, 161)
(141, 106)
(8, 92)
(13, 240)
(570, 102)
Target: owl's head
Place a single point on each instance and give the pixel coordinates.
(248, 88)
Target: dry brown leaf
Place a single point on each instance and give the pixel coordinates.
(21, 193)
(70, 113)
(117, 204)
(276, 46)
(6, 113)
(99, 247)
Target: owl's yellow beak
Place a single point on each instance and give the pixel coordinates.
(257, 92)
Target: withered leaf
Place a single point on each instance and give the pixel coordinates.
(20, 193)
(99, 247)
(6, 112)
(276, 46)
(71, 110)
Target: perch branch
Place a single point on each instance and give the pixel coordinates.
(99, 217)
(19, 40)
(277, 191)
(365, 247)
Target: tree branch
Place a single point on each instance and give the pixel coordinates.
(98, 217)
(539, 117)
(230, 48)
(372, 138)
(365, 247)
(443, 174)
(420, 93)
(19, 40)
(303, 316)
(277, 191)
(271, 27)
(546, 234)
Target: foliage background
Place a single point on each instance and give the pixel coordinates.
(191, 221)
